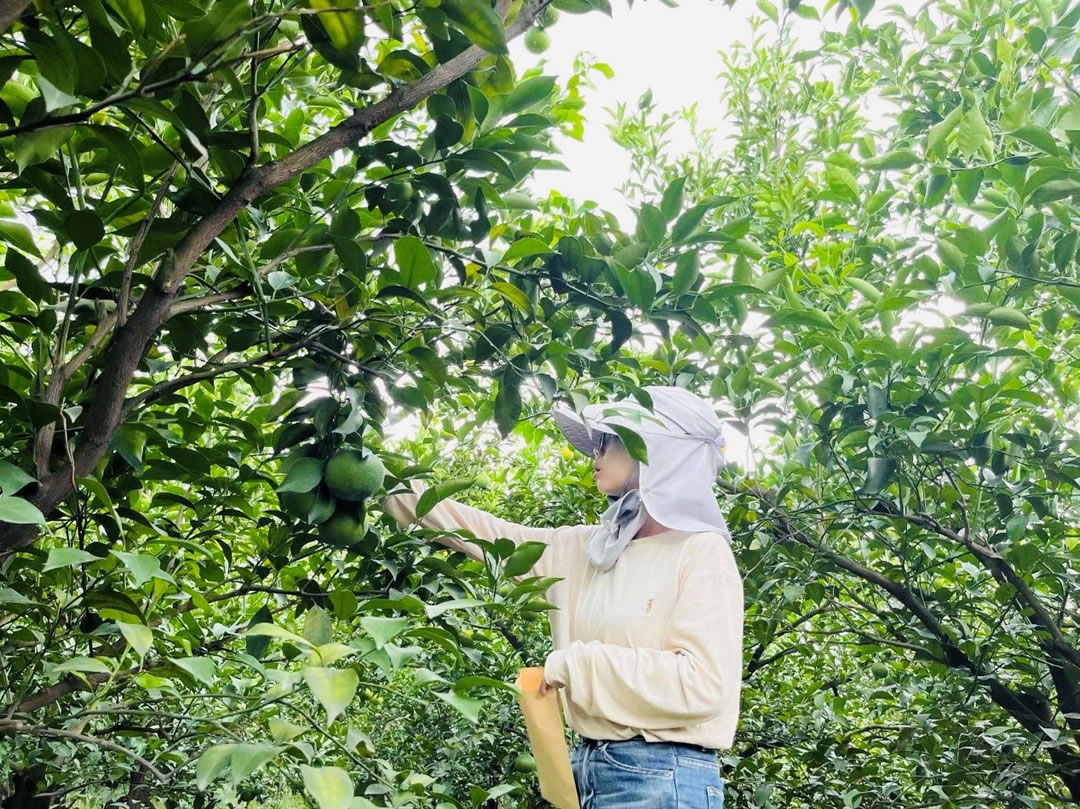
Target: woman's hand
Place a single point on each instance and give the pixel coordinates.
(545, 686)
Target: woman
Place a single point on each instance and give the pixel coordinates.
(647, 636)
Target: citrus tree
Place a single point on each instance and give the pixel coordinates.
(240, 241)
(901, 349)
(245, 245)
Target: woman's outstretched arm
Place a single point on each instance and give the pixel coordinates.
(450, 515)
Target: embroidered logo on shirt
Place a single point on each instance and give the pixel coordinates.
(648, 606)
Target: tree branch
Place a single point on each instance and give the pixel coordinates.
(11, 10)
(209, 372)
(1031, 713)
(1003, 572)
(17, 727)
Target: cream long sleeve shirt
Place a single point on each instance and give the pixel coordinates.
(652, 647)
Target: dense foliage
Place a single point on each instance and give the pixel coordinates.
(239, 240)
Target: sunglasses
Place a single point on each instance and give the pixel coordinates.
(603, 440)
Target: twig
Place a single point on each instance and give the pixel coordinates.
(136, 246)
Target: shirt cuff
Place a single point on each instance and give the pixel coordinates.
(555, 668)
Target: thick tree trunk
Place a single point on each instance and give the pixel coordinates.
(11, 10)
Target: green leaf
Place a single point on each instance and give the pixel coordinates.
(282, 730)
(11, 596)
(807, 316)
(1007, 316)
(211, 764)
(528, 246)
(1038, 137)
(208, 30)
(968, 183)
(687, 271)
(244, 759)
(1064, 252)
(839, 177)
(972, 132)
(18, 235)
(1018, 112)
(256, 645)
(303, 476)
(66, 557)
(80, 664)
(143, 567)
(879, 472)
(527, 93)
(688, 222)
(139, 636)
(1055, 190)
(634, 443)
(943, 128)
(894, 160)
(768, 9)
(869, 291)
(876, 401)
(487, 160)
(85, 228)
(345, 29)
(672, 201)
(478, 21)
(203, 669)
(652, 225)
(1016, 527)
(333, 688)
(383, 629)
(970, 240)
(21, 512)
(435, 610)
(514, 295)
(132, 13)
(331, 787)
(29, 280)
(952, 255)
(317, 629)
(39, 145)
(113, 604)
(275, 631)
(508, 402)
(414, 262)
(436, 494)
(523, 558)
(467, 706)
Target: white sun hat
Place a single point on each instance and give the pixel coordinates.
(683, 445)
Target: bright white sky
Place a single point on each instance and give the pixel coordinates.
(672, 51)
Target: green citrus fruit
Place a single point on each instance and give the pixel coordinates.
(298, 503)
(880, 670)
(525, 763)
(548, 16)
(352, 476)
(343, 529)
(537, 41)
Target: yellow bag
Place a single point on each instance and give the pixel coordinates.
(544, 725)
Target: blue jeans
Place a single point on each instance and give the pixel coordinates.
(636, 774)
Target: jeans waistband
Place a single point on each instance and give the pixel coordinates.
(697, 747)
